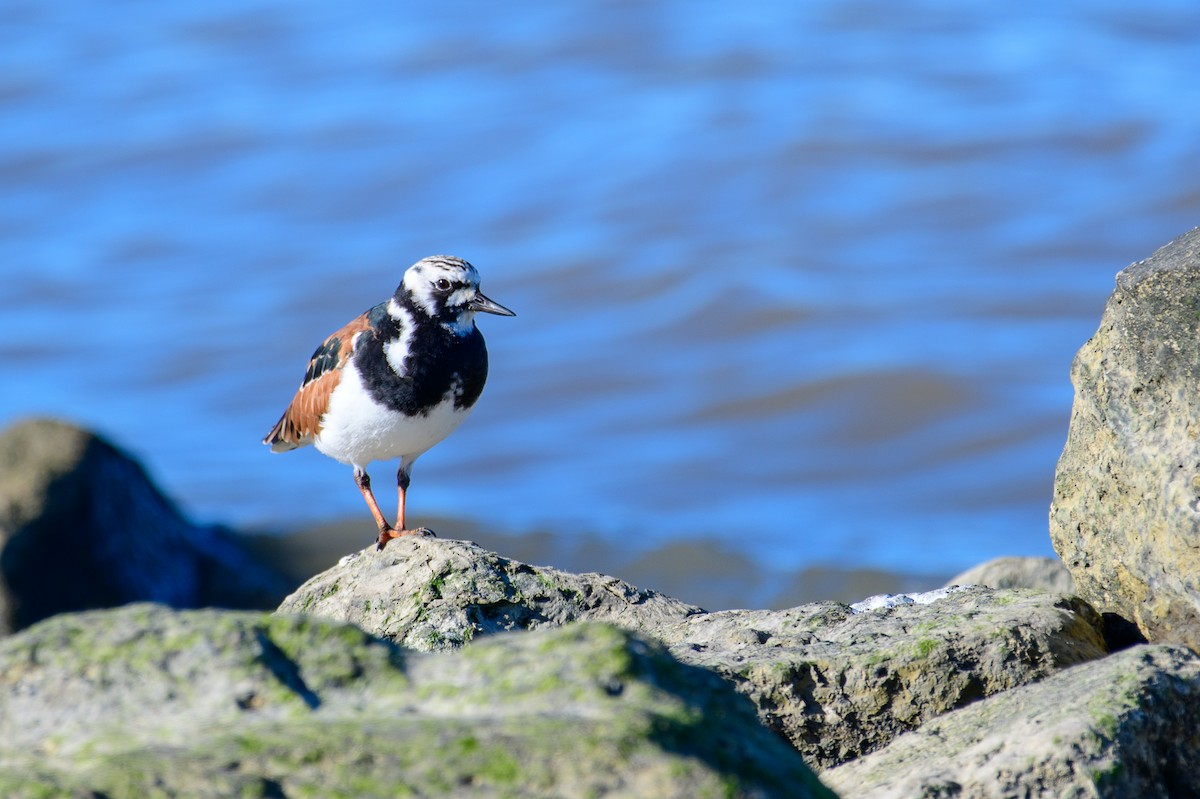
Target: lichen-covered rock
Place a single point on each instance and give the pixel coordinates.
(431, 594)
(82, 526)
(839, 684)
(1126, 511)
(835, 682)
(1046, 574)
(145, 701)
(1118, 727)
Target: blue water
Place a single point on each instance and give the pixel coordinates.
(807, 278)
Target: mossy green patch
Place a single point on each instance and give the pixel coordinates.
(926, 646)
(1106, 775)
(1106, 724)
(433, 589)
(877, 658)
(259, 705)
(520, 757)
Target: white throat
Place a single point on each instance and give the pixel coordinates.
(397, 351)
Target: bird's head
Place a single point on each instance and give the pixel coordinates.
(446, 289)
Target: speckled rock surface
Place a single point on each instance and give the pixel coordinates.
(146, 701)
(840, 684)
(1126, 512)
(431, 594)
(82, 526)
(1119, 727)
(835, 682)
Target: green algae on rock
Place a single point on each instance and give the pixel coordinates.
(142, 700)
(434, 594)
(835, 683)
(1117, 727)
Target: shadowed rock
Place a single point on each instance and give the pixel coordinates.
(145, 701)
(1126, 512)
(1119, 727)
(839, 684)
(835, 682)
(81, 526)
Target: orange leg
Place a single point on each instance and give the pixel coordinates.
(386, 532)
(363, 481)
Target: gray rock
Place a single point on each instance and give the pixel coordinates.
(1126, 513)
(1119, 727)
(431, 594)
(836, 683)
(147, 701)
(1047, 574)
(840, 684)
(81, 526)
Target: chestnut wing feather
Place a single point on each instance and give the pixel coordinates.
(301, 421)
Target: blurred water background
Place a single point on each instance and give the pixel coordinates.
(804, 279)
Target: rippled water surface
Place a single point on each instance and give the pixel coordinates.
(806, 278)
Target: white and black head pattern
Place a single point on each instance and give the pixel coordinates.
(446, 289)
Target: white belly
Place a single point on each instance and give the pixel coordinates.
(357, 431)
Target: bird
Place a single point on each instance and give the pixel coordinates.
(395, 380)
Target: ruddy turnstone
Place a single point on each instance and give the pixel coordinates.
(396, 380)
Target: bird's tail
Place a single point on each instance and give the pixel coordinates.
(282, 437)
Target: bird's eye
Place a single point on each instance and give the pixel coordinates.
(442, 284)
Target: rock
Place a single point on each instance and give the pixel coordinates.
(1126, 513)
(149, 701)
(81, 526)
(1117, 727)
(1047, 574)
(430, 594)
(836, 683)
(840, 684)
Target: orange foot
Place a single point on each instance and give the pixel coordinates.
(388, 533)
